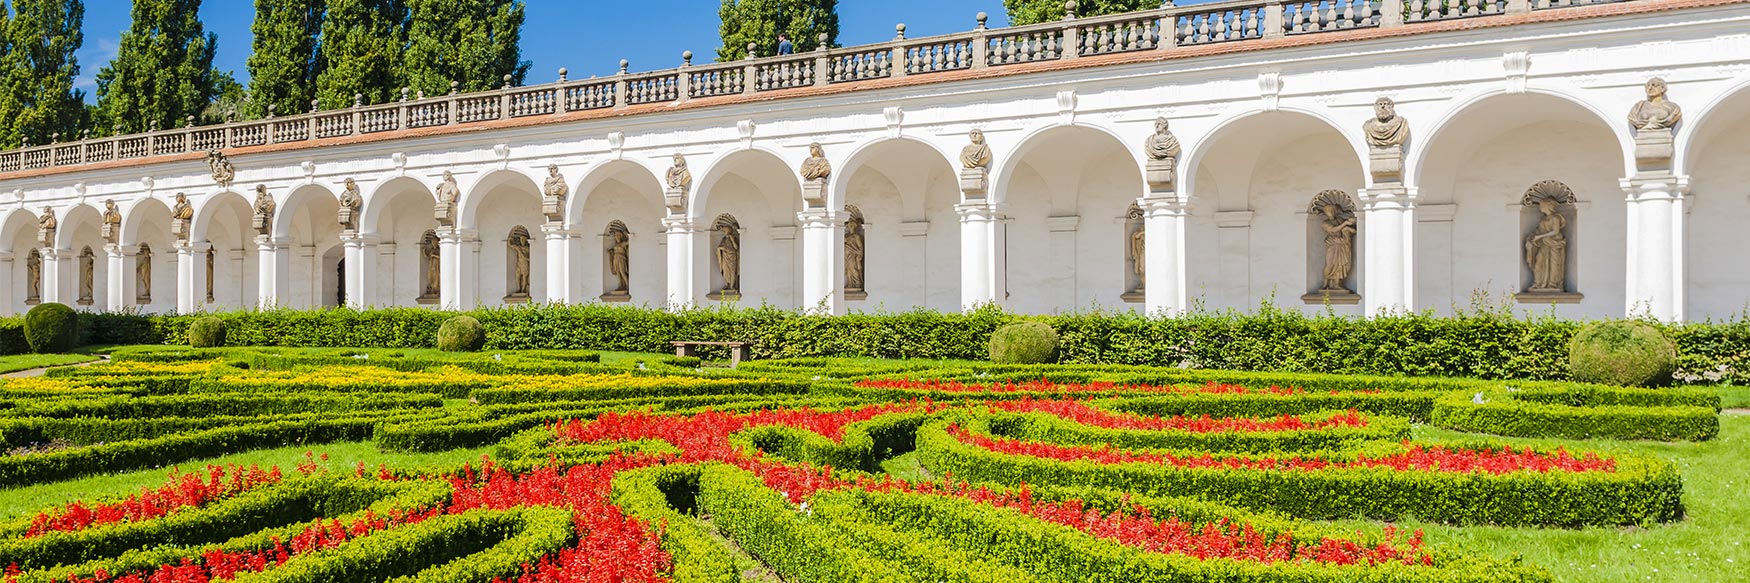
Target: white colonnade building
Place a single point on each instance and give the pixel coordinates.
(1318, 155)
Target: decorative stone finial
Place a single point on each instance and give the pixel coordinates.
(687, 58)
(982, 19)
(821, 46)
(624, 65)
(562, 72)
(1069, 10)
(406, 93)
(315, 105)
(55, 137)
(507, 79)
(358, 100)
(270, 109)
(455, 87)
(752, 49)
(899, 31)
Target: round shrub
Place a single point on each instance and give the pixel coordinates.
(461, 334)
(1024, 343)
(208, 332)
(1623, 353)
(51, 327)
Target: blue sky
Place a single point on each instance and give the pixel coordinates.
(589, 37)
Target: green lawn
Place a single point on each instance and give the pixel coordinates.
(18, 362)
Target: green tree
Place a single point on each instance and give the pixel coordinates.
(360, 54)
(761, 21)
(42, 37)
(1036, 11)
(163, 71)
(282, 63)
(471, 42)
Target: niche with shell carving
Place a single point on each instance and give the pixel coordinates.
(616, 263)
(1331, 258)
(725, 241)
(1135, 255)
(856, 254)
(1549, 225)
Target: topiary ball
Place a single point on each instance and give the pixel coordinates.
(1024, 343)
(461, 334)
(1623, 353)
(51, 327)
(208, 332)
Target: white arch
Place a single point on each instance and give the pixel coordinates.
(841, 177)
(18, 218)
(69, 220)
(300, 195)
(132, 224)
(1203, 145)
(207, 208)
(377, 201)
(1690, 129)
(468, 213)
(1419, 147)
(717, 169)
(600, 173)
(1006, 163)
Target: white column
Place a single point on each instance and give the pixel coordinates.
(983, 254)
(1387, 230)
(460, 250)
(273, 273)
(683, 262)
(191, 276)
(561, 289)
(823, 260)
(1655, 246)
(1165, 286)
(58, 276)
(118, 288)
(6, 282)
(361, 269)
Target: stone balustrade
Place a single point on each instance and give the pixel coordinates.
(1166, 28)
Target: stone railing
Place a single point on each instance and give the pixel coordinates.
(1150, 30)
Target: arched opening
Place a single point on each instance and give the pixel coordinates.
(309, 224)
(19, 234)
(626, 194)
(397, 217)
(82, 278)
(148, 257)
(496, 207)
(905, 191)
(762, 193)
(1717, 161)
(223, 227)
(1068, 189)
(1253, 185)
(1473, 220)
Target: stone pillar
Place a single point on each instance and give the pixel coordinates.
(6, 281)
(191, 276)
(823, 259)
(460, 253)
(273, 273)
(60, 276)
(119, 285)
(983, 254)
(684, 263)
(1655, 246)
(1164, 284)
(562, 287)
(361, 269)
(1387, 239)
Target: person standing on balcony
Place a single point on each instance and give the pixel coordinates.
(784, 45)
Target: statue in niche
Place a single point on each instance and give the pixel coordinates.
(112, 222)
(33, 282)
(143, 275)
(221, 168)
(816, 167)
(553, 194)
(1655, 112)
(1135, 253)
(46, 225)
(619, 252)
(87, 277)
(518, 244)
(264, 207)
(1546, 248)
(180, 216)
(1336, 215)
(855, 253)
(212, 263)
(432, 255)
(447, 195)
(1386, 129)
(349, 205)
(1139, 256)
(976, 154)
(729, 255)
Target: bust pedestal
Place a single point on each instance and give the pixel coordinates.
(554, 208)
(179, 229)
(1654, 149)
(1161, 174)
(1386, 164)
(814, 192)
(676, 200)
(974, 181)
(444, 213)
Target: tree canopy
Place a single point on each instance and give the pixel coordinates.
(471, 42)
(282, 63)
(759, 22)
(361, 52)
(38, 101)
(162, 72)
(1023, 12)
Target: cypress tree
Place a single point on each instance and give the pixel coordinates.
(43, 36)
(761, 21)
(362, 44)
(282, 64)
(471, 42)
(11, 81)
(1023, 12)
(163, 71)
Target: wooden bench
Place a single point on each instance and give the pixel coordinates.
(738, 351)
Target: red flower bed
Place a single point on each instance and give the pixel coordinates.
(183, 491)
(1046, 386)
(1419, 458)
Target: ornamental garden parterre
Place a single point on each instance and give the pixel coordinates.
(544, 466)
